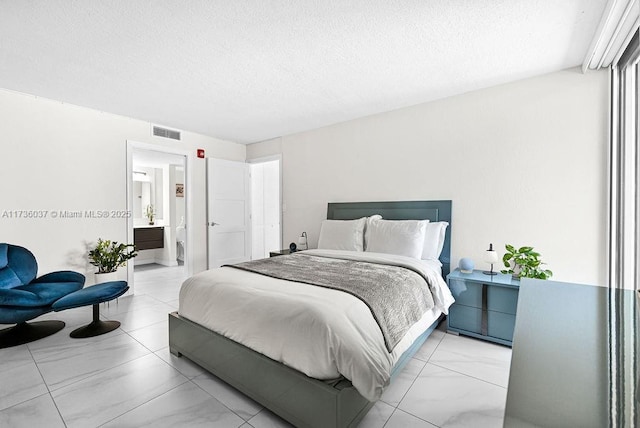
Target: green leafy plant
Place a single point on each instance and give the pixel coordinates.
(524, 263)
(108, 256)
(150, 213)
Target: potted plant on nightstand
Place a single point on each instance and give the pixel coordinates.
(108, 256)
(523, 262)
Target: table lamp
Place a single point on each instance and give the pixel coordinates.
(302, 240)
(491, 257)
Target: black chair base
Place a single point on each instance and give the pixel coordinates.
(28, 332)
(96, 327)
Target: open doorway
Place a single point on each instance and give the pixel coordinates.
(266, 219)
(158, 224)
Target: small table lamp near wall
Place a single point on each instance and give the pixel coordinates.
(302, 240)
(491, 257)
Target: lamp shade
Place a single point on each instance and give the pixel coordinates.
(491, 256)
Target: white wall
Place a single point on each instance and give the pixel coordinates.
(60, 157)
(524, 163)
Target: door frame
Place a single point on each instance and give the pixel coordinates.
(188, 179)
(271, 158)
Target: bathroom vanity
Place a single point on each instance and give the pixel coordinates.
(148, 237)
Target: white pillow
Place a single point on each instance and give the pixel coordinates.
(366, 227)
(342, 235)
(434, 240)
(401, 237)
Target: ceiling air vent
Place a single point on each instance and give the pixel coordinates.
(166, 133)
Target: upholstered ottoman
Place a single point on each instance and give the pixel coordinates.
(93, 295)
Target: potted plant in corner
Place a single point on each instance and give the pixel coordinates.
(108, 256)
(524, 263)
(150, 213)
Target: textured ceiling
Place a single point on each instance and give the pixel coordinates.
(247, 71)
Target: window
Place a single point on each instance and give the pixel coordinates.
(624, 238)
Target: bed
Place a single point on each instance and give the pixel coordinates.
(301, 399)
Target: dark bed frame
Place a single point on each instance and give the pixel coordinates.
(301, 400)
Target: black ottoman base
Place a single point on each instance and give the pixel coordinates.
(28, 332)
(96, 327)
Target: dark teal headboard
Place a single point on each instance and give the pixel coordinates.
(405, 210)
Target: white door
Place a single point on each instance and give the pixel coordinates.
(265, 208)
(228, 212)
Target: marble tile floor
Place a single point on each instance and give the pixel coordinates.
(128, 378)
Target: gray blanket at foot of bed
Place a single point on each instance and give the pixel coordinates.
(397, 296)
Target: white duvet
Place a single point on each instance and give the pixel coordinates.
(321, 332)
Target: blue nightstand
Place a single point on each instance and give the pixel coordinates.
(485, 305)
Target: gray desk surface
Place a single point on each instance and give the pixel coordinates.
(559, 364)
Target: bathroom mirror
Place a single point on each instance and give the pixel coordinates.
(147, 190)
(142, 196)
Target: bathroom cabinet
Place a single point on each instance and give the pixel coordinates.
(148, 238)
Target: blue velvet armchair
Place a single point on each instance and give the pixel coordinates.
(24, 297)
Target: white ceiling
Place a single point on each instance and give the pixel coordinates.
(247, 71)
